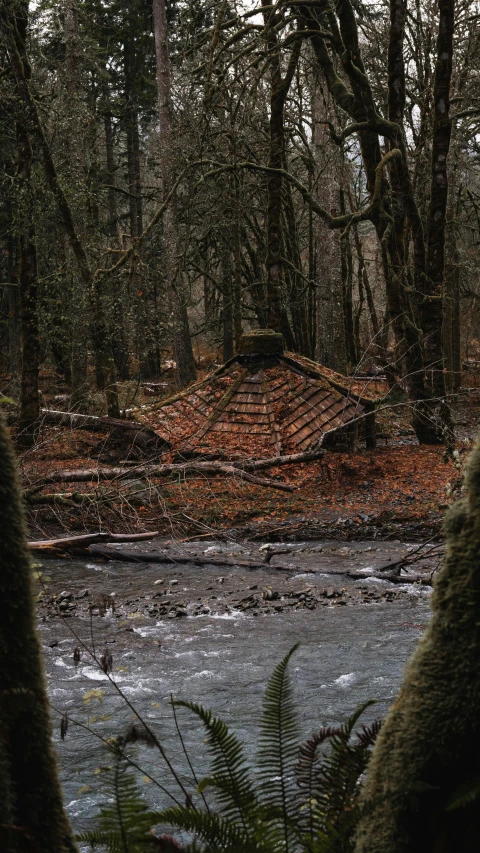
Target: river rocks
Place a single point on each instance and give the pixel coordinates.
(193, 591)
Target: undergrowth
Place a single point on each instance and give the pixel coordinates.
(299, 798)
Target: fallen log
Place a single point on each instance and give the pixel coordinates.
(86, 539)
(277, 461)
(86, 475)
(393, 577)
(175, 557)
(140, 435)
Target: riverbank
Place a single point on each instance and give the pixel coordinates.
(304, 576)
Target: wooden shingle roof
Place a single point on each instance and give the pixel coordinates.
(257, 404)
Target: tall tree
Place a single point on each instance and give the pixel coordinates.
(186, 371)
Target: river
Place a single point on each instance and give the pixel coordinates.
(219, 656)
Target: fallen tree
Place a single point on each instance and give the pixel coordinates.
(140, 435)
(176, 557)
(88, 475)
(237, 468)
(86, 539)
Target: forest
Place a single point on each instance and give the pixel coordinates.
(239, 384)
(173, 175)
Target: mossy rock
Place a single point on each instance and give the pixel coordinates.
(262, 342)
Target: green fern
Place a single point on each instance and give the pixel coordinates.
(466, 794)
(277, 755)
(329, 784)
(125, 823)
(305, 800)
(229, 774)
(301, 799)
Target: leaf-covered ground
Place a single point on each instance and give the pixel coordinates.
(400, 490)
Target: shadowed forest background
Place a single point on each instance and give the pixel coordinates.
(175, 174)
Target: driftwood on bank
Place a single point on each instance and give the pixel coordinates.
(176, 557)
(138, 434)
(86, 539)
(393, 577)
(88, 475)
(393, 571)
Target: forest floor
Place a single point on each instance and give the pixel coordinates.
(398, 491)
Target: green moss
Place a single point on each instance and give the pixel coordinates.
(28, 774)
(430, 743)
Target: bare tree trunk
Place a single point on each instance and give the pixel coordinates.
(432, 302)
(14, 322)
(330, 344)
(186, 370)
(279, 85)
(77, 169)
(29, 391)
(347, 289)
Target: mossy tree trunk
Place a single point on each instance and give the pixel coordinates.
(429, 745)
(32, 817)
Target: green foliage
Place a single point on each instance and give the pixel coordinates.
(297, 799)
(125, 822)
(466, 794)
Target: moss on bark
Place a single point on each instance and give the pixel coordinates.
(31, 807)
(430, 743)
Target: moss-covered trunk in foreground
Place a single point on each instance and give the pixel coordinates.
(32, 817)
(428, 753)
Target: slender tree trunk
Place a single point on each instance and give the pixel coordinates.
(14, 322)
(276, 314)
(77, 169)
(330, 343)
(347, 287)
(227, 299)
(186, 370)
(237, 275)
(119, 333)
(440, 428)
(29, 391)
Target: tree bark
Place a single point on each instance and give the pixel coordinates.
(276, 314)
(440, 427)
(186, 370)
(29, 390)
(77, 170)
(428, 747)
(32, 816)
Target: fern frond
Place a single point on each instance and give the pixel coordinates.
(368, 735)
(124, 823)
(329, 799)
(112, 840)
(229, 774)
(215, 831)
(465, 794)
(278, 746)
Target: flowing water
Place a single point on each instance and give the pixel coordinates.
(347, 655)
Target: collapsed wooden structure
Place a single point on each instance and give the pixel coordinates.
(264, 402)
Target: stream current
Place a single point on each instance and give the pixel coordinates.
(220, 657)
